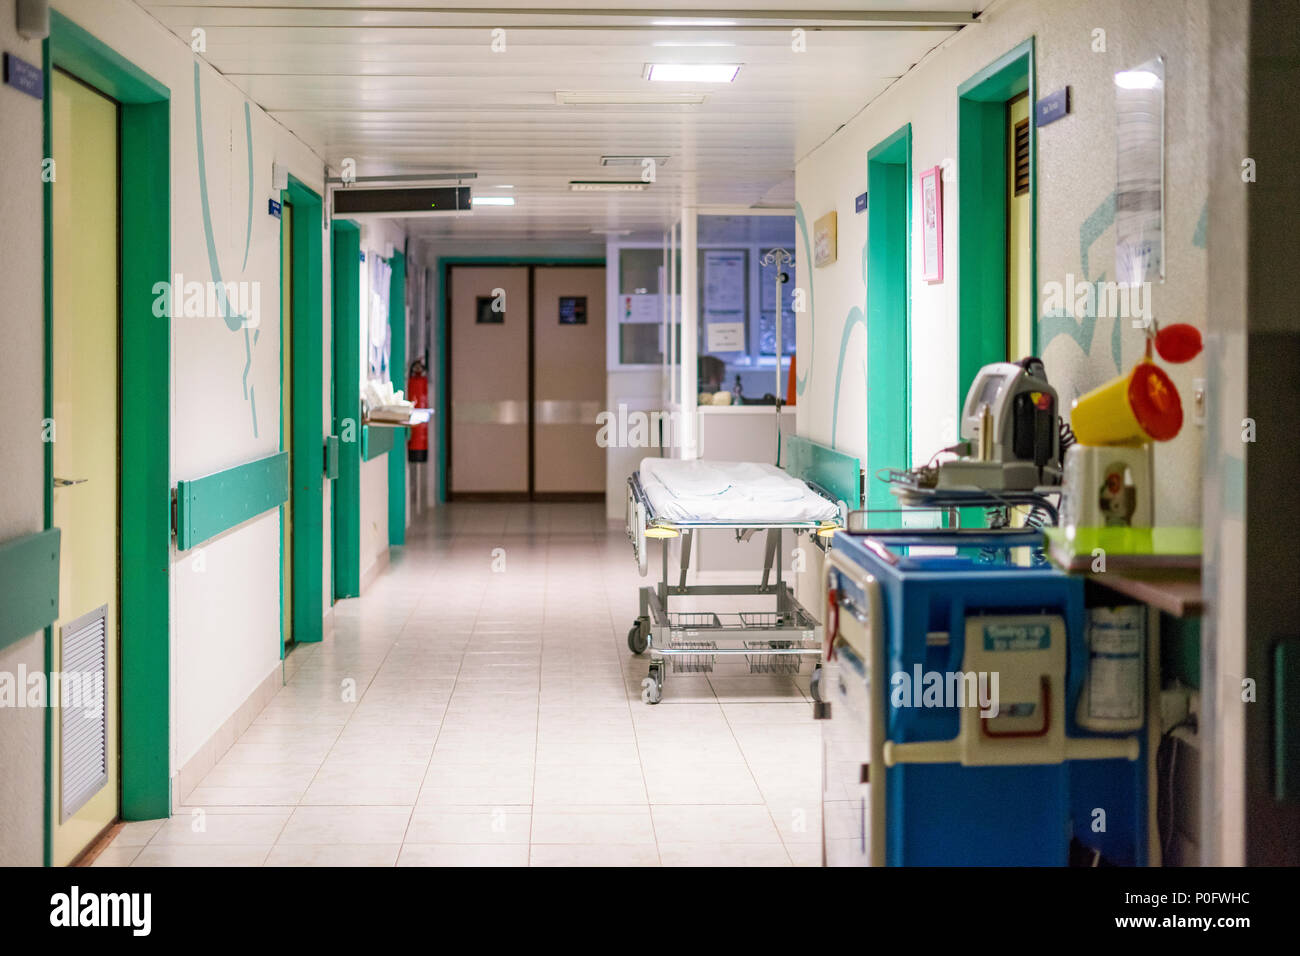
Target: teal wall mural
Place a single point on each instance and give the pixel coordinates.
(234, 321)
(1082, 328)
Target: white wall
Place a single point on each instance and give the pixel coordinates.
(22, 471)
(225, 404)
(1076, 176)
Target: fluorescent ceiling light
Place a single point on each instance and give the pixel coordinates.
(611, 232)
(493, 200)
(692, 72)
(606, 186)
(692, 23)
(1137, 80)
(627, 98)
(690, 43)
(504, 186)
(631, 160)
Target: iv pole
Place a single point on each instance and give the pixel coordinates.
(777, 257)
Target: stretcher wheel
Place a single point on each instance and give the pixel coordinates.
(651, 693)
(652, 687)
(637, 637)
(815, 683)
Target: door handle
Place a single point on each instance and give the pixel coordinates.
(65, 482)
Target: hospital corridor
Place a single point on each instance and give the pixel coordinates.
(498, 721)
(778, 436)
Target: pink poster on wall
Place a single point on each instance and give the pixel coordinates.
(932, 225)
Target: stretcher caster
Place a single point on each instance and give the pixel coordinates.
(638, 636)
(652, 687)
(815, 683)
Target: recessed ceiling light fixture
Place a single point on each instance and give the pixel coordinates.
(692, 72)
(504, 186)
(627, 98)
(606, 186)
(493, 200)
(632, 160)
(691, 43)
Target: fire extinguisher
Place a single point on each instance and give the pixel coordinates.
(417, 389)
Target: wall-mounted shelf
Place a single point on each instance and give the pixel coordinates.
(1174, 591)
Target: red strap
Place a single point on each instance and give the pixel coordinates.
(832, 622)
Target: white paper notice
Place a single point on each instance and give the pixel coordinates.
(725, 337)
(724, 281)
(641, 308)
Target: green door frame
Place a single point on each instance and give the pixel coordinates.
(397, 369)
(982, 209)
(145, 520)
(443, 337)
(345, 503)
(306, 437)
(889, 310)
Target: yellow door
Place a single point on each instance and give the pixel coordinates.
(1020, 295)
(286, 414)
(84, 365)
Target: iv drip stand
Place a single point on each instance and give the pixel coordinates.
(777, 257)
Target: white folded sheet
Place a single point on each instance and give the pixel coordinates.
(732, 491)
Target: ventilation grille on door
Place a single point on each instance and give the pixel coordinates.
(1022, 157)
(83, 709)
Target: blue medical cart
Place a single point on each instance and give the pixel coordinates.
(917, 776)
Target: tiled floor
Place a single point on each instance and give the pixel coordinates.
(496, 719)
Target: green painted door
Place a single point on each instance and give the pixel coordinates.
(286, 419)
(889, 353)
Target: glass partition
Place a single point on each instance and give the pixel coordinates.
(738, 295)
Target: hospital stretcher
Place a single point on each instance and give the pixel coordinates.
(774, 641)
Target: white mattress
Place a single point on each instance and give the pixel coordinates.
(731, 491)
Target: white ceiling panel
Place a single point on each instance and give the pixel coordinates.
(405, 87)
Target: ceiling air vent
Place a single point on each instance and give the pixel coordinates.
(627, 98)
(607, 186)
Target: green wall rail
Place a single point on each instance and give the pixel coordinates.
(29, 584)
(835, 471)
(377, 440)
(207, 506)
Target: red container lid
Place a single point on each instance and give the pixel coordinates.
(1155, 402)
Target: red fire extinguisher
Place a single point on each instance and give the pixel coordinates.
(417, 392)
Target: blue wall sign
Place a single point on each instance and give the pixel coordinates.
(860, 203)
(1053, 106)
(21, 75)
(273, 208)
